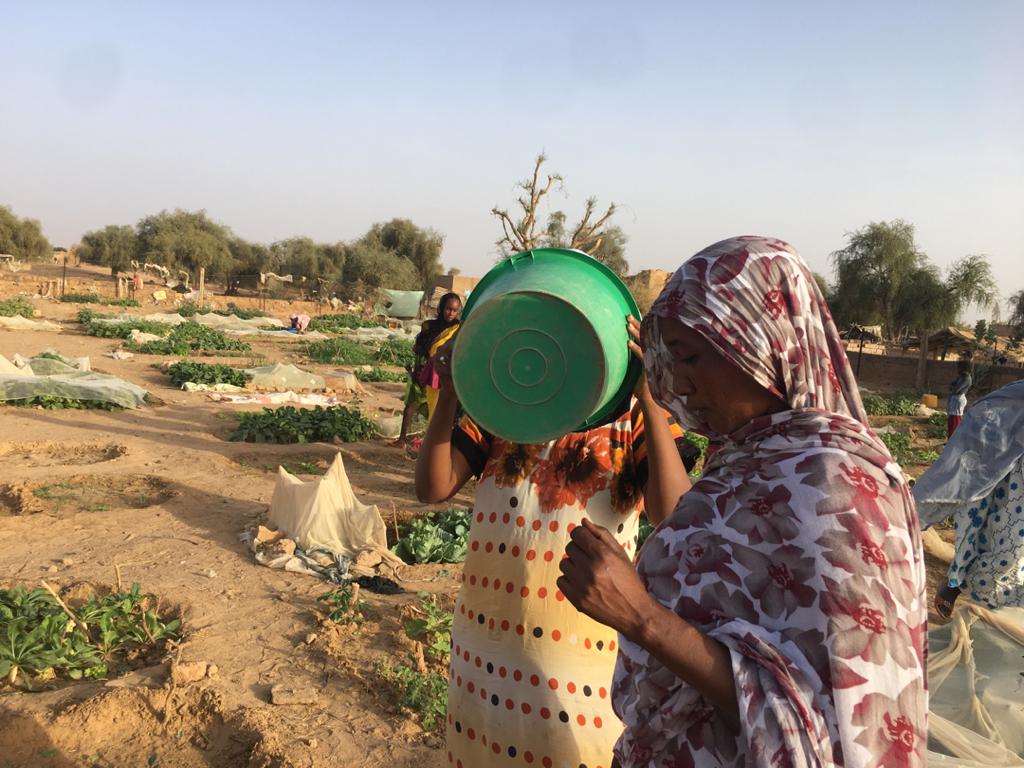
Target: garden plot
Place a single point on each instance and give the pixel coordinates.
(83, 493)
(54, 454)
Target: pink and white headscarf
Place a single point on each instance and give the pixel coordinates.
(757, 302)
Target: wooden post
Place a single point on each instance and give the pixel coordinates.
(922, 361)
(119, 290)
(202, 285)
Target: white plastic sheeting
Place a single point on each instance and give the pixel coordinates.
(976, 681)
(62, 380)
(325, 514)
(284, 377)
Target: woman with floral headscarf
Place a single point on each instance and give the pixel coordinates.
(777, 617)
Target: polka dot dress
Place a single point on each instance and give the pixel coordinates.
(989, 560)
(530, 675)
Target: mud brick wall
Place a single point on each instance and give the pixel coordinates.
(884, 372)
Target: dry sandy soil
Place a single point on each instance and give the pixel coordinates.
(160, 496)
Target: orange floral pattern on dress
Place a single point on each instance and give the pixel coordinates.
(576, 469)
(626, 493)
(514, 463)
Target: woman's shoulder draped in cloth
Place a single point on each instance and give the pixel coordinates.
(981, 452)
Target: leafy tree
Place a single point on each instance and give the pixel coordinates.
(250, 258)
(980, 330)
(421, 247)
(872, 270)
(927, 302)
(521, 234)
(113, 246)
(610, 250)
(369, 267)
(186, 240)
(822, 284)
(1017, 312)
(22, 238)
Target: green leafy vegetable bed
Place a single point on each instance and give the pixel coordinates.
(438, 538)
(344, 352)
(876, 405)
(379, 374)
(339, 323)
(192, 337)
(340, 352)
(18, 305)
(55, 403)
(38, 640)
(303, 425)
(205, 373)
(80, 298)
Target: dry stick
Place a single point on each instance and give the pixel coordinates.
(394, 520)
(167, 701)
(354, 600)
(78, 622)
(421, 663)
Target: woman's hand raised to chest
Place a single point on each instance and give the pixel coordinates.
(599, 579)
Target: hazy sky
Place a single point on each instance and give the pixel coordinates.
(801, 120)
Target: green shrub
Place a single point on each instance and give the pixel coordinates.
(123, 303)
(80, 298)
(17, 305)
(205, 373)
(303, 425)
(37, 638)
(438, 538)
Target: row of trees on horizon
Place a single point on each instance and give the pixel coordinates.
(880, 277)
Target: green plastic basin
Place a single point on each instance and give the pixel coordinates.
(542, 350)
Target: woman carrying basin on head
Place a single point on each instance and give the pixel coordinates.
(777, 616)
(530, 676)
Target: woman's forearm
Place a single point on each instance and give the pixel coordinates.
(436, 476)
(699, 660)
(667, 479)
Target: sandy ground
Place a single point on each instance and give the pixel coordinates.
(160, 496)
(163, 496)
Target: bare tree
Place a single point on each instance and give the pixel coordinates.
(522, 235)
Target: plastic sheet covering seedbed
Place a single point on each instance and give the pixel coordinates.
(62, 380)
(228, 324)
(282, 376)
(976, 681)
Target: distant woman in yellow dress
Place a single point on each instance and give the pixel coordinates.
(422, 385)
(530, 676)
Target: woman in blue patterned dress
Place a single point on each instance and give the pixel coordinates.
(979, 482)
